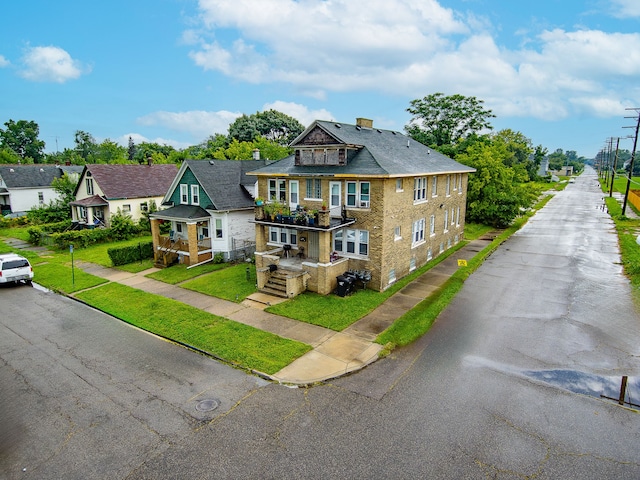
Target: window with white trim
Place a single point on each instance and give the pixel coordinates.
(432, 225)
(218, 227)
(429, 254)
(89, 185)
(458, 217)
(419, 189)
(446, 220)
(434, 186)
(459, 183)
(392, 275)
(283, 236)
(195, 195)
(412, 264)
(448, 186)
(41, 198)
(351, 241)
(399, 187)
(184, 194)
(277, 190)
(453, 217)
(417, 234)
(358, 195)
(314, 188)
(397, 233)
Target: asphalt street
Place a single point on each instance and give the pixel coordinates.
(506, 384)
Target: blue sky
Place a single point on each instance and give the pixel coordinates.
(561, 72)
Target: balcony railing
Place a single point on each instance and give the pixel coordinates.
(180, 244)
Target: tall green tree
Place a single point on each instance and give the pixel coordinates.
(271, 124)
(495, 194)
(86, 146)
(131, 151)
(22, 138)
(442, 121)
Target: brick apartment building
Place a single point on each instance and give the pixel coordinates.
(354, 197)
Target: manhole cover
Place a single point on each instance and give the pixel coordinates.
(207, 405)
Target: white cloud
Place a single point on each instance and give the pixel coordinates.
(413, 48)
(299, 112)
(50, 64)
(201, 124)
(3, 62)
(626, 8)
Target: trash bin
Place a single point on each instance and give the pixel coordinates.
(345, 285)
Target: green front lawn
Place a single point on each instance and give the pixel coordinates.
(180, 273)
(234, 342)
(60, 277)
(232, 283)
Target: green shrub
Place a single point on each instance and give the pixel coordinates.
(133, 253)
(81, 238)
(122, 226)
(218, 257)
(35, 235)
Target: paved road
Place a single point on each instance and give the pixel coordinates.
(87, 396)
(489, 392)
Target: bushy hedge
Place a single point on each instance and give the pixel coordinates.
(38, 233)
(81, 238)
(130, 254)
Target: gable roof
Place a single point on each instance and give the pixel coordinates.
(29, 176)
(131, 181)
(225, 182)
(382, 153)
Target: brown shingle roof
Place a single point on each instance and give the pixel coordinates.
(132, 181)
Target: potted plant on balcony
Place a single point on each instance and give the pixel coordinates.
(259, 201)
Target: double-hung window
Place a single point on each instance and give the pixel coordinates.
(195, 195)
(314, 188)
(448, 185)
(434, 186)
(219, 230)
(446, 220)
(184, 194)
(420, 189)
(358, 194)
(89, 184)
(432, 225)
(348, 241)
(277, 190)
(283, 236)
(418, 231)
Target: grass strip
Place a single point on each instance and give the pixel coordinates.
(60, 277)
(236, 343)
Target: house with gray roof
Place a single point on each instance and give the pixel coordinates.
(25, 187)
(209, 209)
(132, 189)
(354, 198)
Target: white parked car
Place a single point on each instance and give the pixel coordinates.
(15, 268)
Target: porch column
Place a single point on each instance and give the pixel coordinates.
(324, 245)
(155, 235)
(192, 238)
(261, 238)
(90, 215)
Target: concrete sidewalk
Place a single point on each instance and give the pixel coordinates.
(334, 353)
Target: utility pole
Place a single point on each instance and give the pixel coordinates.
(633, 155)
(615, 165)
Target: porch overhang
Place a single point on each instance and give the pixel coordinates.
(93, 201)
(184, 213)
(334, 224)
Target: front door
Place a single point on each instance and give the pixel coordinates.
(294, 196)
(335, 198)
(313, 245)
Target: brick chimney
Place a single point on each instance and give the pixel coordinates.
(364, 122)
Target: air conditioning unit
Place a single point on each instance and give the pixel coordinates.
(364, 204)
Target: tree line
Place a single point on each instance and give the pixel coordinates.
(270, 132)
(458, 126)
